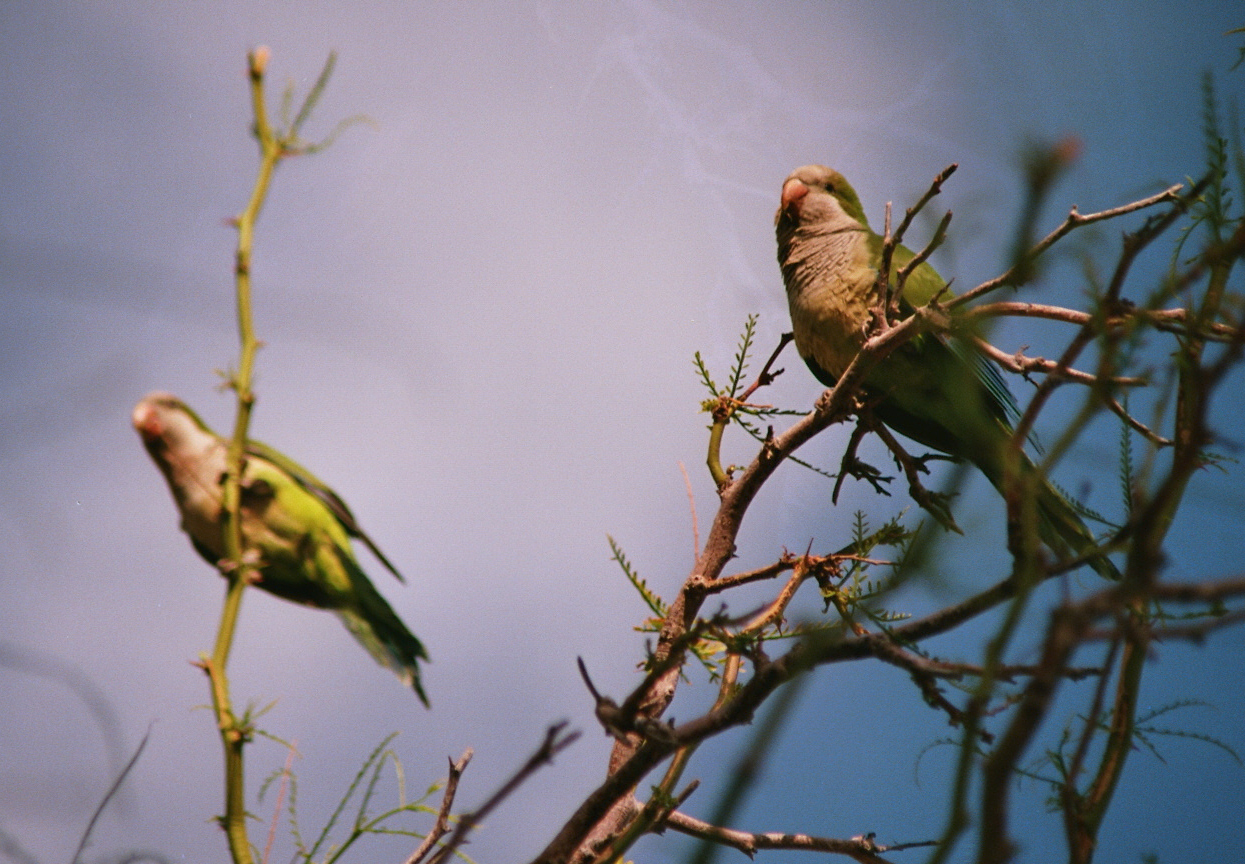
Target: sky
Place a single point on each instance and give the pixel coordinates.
(478, 312)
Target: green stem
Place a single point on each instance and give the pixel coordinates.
(714, 460)
(234, 735)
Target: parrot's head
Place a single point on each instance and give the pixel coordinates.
(166, 424)
(815, 196)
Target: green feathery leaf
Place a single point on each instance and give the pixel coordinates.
(741, 355)
(705, 377)
(1127, 467)
(650, 597)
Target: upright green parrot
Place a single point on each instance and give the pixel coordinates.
(299, 528)
(935, 389)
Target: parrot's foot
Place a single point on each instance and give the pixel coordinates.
(861, 470)
(936, 504)
(249, 562)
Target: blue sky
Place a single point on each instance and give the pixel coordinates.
(478, 318)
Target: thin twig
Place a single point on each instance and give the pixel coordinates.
(1165, 320)
(940, 235)
(775, 609)
(1022, 365)
(691, 503)
(927, 683)
(442, 826)
(280, 802)
(108, 796)
(769, 571)
(1136, 425)
(1195, 633)
(556, 740)
(765, 377)
(1077, 762)
(862, 849)
(1073, 221)
(890, 242)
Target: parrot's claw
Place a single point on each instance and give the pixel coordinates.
(936, 504)
(862, 470)
(250, 561)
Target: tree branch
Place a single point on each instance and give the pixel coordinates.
(442, 826)
(1073, 221)
(862, 849)
(556, 740)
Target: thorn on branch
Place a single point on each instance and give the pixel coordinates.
(862, 848)
(442, 826)
(607, 711)
(619, 721)
(556, 740)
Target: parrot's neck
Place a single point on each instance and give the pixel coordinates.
(829, 280)
(194, 468)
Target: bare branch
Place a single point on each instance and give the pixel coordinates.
(1199, 592)
(1022, 365)
(770, 571)
(862, 849)
(291, 752)
(1136, 425)
(691, 503)
(765, 377)
(109, 795)
(932, 192)
(555, 742)
(940, 235)
(1165, 320)
(1088, 731)
(774, 611)
(1195, 633)
(1073, 221)
(442, 826)
(890, 242)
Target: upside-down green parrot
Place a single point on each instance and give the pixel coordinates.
(935, 389)
(299, 528)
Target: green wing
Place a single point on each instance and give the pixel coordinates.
(947, 381)
(305, 551)
(326, 495)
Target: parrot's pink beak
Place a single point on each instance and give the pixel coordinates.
(793, 192)
(146, 421)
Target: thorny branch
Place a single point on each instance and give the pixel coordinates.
(1074, 220)
(862, 849)
(556, 740)
(442, 826)
(1022, 365)
(890, 242)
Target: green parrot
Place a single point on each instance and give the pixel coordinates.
(935, 390)
(298, 527)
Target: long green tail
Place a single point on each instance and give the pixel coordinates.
(379, 629)
(951, 401)
(1062, 528)
(1059, 525)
